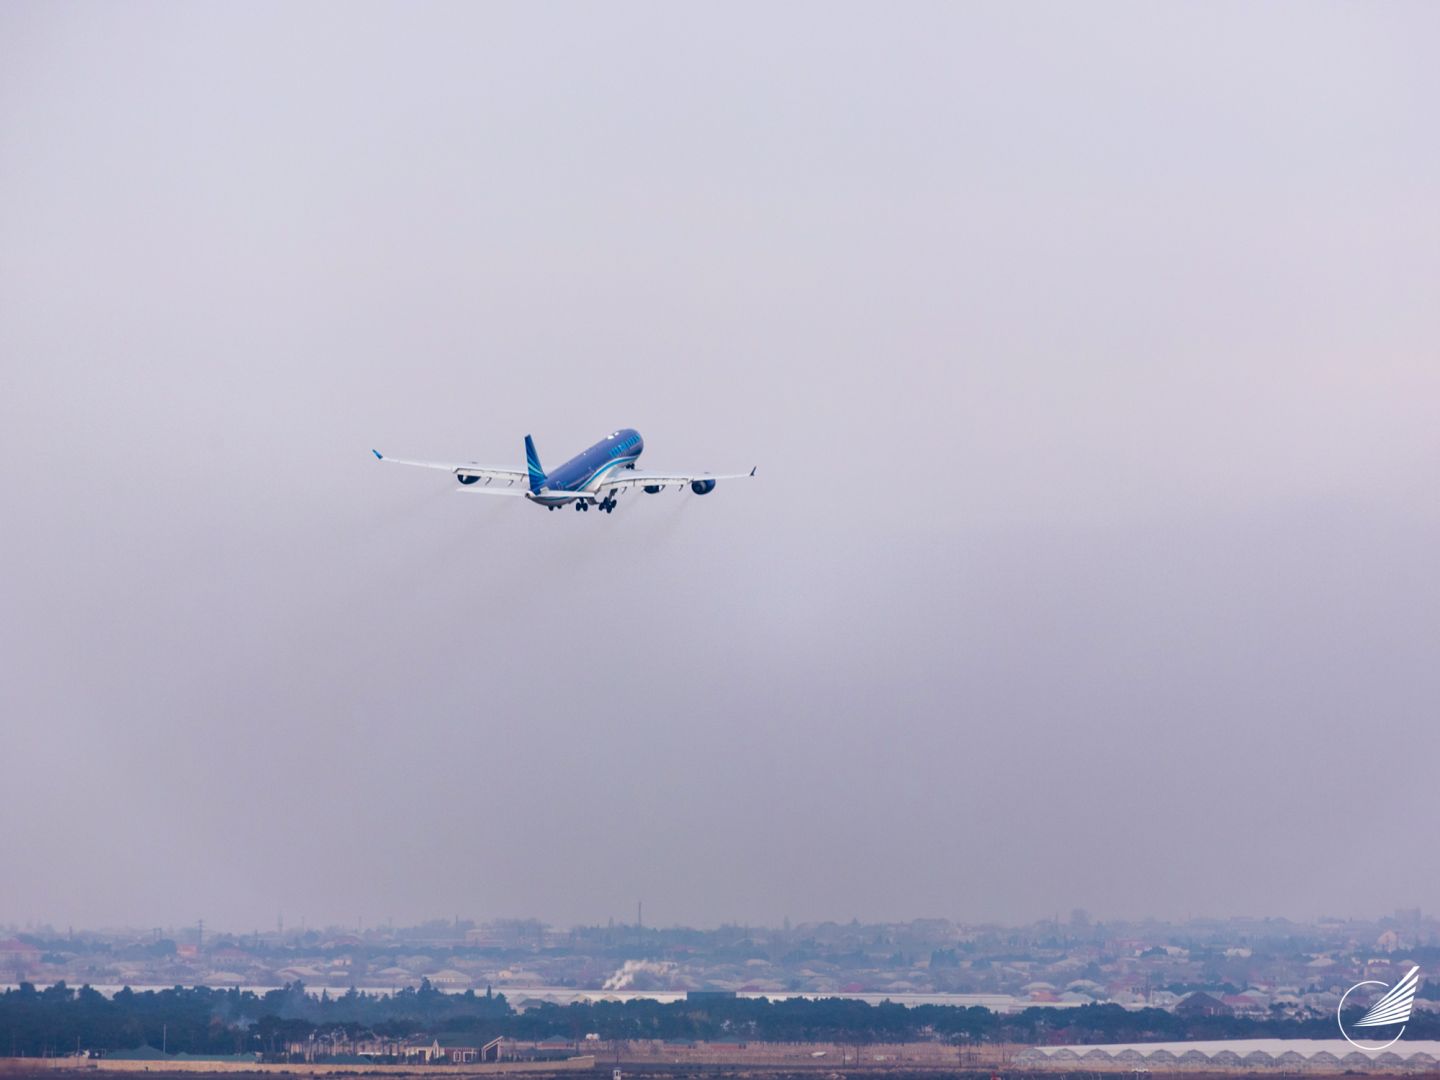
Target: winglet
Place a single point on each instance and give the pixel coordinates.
(378, 456)
(752, 471)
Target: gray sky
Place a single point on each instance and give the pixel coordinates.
(1090, 354)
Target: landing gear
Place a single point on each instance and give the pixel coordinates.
(607, 505)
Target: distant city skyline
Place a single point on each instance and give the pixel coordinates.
(1251, 968)
(1075, 918)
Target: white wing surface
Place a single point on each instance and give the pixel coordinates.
(481, 489)
(639, 478)
(467, 471)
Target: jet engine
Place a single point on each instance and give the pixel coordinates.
(702, 487)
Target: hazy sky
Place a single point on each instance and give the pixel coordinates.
(1090, 354)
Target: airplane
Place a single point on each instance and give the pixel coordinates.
(593, 477)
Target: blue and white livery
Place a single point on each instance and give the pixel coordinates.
(596, 476)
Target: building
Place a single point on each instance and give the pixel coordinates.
(1202, 1004)
(1326, 1054)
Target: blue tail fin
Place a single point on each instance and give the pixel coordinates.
(532, 462)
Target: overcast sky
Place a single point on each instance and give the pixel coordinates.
(1090, 354)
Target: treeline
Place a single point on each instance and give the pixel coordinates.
(200, 1020)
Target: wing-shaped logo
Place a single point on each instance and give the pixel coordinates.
(1393, 1008)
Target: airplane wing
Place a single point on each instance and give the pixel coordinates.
(468, 472)
(518, 492)
(639, 478)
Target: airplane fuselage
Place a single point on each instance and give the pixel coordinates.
(584, 475)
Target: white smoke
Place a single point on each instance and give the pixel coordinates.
(641, 975)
